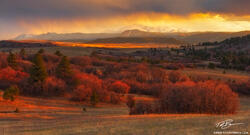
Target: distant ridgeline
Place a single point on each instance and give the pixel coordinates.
(24, 44)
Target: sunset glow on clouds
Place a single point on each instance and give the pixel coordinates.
(144, 21)
(94, 16)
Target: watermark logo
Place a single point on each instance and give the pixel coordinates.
(227, 124)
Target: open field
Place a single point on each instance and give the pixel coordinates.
(59, 116)
(217, 74)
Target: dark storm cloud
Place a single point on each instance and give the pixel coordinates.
(49, 8)
(103, 8)
(238, 7)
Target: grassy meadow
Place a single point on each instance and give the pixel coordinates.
(62, 117)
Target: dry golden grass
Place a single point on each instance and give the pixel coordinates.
(62, 117)
(33, 104)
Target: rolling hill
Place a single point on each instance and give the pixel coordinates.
(236, 44)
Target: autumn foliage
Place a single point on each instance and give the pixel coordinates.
(9, 76)
(82, 93)
(3, 60)
(119, 87)
(189, 97)
(93, 80)
(53, 86)
(203, 97)
(86, 85)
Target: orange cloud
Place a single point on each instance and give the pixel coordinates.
(144, 21)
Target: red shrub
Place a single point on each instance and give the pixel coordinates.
(139, 88)
(3, 60)
(9, 76)
(142, 76)
(53, 86)
(174, 76)
(139, 67)
(94, 84)
(98, 62)
(159, 75)
(144, 107)
(119, 87)
(51, 58)
(90, 81)
(157, 88)
(130, 101)
(24, 65)
(51, 68)
(203, 97)
(104, 96)
(189, 97)
(82, 61)
(95, 71)
(122, 75)
(109, 81)
(112, 68)
(81, 93)
(115, 98)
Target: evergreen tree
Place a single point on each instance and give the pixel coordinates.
(12, 62)
(211, 65)
(38, 72)
(58, 53)
(63, 69)
(41, 51)
(225, 61)
(94, 98)
(22, 53)
(11, 93)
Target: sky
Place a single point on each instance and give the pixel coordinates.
(97, 16)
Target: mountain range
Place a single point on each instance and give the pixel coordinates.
(135, 36)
